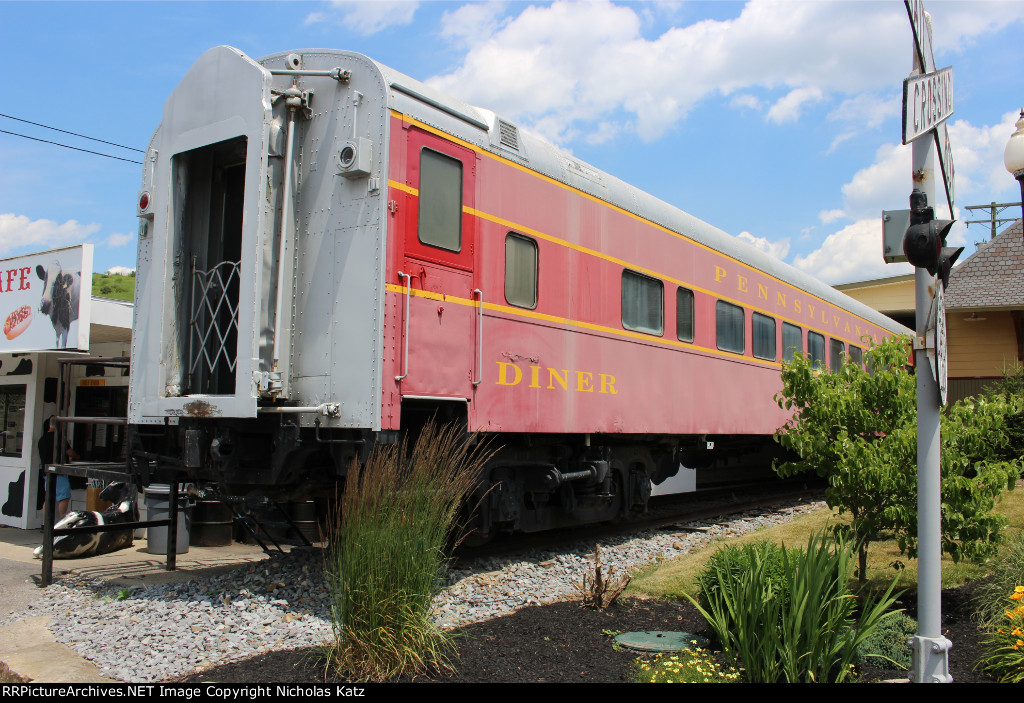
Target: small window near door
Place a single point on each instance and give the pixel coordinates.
(520, 271)
(12, 414)
(440, 208)
(684, 314)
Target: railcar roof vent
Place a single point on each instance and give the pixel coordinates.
(509, 134)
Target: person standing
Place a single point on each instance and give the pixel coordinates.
(45, 448)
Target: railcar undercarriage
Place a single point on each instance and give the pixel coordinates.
(533, 483)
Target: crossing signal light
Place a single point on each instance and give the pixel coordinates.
(924, 243)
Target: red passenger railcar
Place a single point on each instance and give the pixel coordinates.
(367, 253)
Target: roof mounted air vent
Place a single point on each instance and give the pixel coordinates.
(508, 135)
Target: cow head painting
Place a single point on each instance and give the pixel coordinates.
(61, 290)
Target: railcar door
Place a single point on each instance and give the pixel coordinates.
(439, 243)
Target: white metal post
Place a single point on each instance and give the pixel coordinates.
(931, 649)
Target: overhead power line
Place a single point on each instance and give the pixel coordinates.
(74, 134)
(66, 146)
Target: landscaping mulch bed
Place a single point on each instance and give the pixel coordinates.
(565, 643)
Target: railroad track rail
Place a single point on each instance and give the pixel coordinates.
(665, 513)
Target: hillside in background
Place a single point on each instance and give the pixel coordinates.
(114, 286)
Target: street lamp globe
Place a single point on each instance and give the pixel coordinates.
(1013, 157)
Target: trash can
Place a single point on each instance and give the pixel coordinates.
(158, 507)
(211, 524)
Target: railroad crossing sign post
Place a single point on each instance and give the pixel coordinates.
(928, 101)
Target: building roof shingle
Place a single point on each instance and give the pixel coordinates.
(993, 276)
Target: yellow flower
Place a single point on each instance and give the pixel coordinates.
(1017, 596)
(1019, 589)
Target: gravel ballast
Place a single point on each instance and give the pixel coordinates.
(157, 632)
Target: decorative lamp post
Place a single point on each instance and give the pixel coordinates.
(1013, 157)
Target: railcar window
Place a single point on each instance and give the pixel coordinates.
(836, 349)
(643, 303)
(440, 201)
(729, 325)
(792, 341)
(684, 314)
(520, 271)
(762, 336)
(816, 349)
(856, 355)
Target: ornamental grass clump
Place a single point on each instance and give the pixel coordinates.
(806, 629)
(989, 595)
(999, 610)
(1004, 642)
(387, 549)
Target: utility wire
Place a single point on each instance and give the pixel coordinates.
(132, 161)
(74, 134)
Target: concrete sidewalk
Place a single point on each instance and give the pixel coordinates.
(27, 646)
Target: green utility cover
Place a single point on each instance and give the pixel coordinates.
(657, 641)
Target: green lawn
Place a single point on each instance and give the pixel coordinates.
(670, 579)
(113, 286)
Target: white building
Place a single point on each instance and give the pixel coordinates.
(29, 380)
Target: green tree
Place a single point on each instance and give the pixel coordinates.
(858, 429)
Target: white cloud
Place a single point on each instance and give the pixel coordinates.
(604, 131)
(853, 253)
(18, 232)
(119, 240)
(978, 160)
(885, 184)
(587, 63)
(366, 16)
(466, 23)
(584, 62)
(963, 23)
(829, 216)
(120, 271)
(867, 109)
(787, 108)
(745, 100)
(777, 249)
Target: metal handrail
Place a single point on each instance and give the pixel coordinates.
(479, 338)
(405, 335)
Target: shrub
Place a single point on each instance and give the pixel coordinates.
(888, 643)
(811, 635)
(386, 554)
(731, 562)
(858, 429)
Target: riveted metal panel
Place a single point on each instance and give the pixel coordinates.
(224, 96)
(337, 292)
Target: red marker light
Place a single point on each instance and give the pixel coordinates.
(144, 201)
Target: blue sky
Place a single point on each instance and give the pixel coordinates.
(777, 121)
